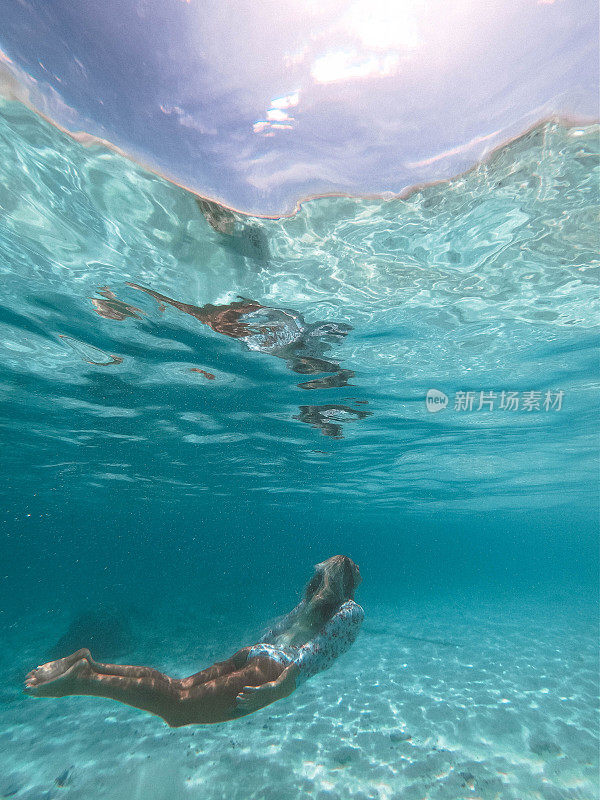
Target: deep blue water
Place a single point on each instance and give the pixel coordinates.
(154, 451)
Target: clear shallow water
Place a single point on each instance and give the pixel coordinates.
(187, 459)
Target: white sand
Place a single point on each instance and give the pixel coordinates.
(507, 711)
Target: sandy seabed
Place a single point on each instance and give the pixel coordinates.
(445, 703)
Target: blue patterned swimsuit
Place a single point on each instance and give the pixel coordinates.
(320, 652)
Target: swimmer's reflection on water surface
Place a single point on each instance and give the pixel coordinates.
(110, 307)
(280, 332)
(329, 418)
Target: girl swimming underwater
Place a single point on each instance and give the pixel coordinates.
(308, 640)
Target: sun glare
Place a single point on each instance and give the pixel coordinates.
(384, 25)
(379, 33)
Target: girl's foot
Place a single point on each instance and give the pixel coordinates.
(53, 679)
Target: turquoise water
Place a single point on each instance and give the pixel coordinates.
(171, 472)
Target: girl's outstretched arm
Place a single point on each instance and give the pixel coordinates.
(335, 638)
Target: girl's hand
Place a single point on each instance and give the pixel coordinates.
(251, 698)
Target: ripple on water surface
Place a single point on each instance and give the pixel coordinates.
(197, 341)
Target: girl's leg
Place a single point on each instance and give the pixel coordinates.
(237, 661)
(162, 299)
(215, 700)
(208, 696)
(48, 679)
(79, 674)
